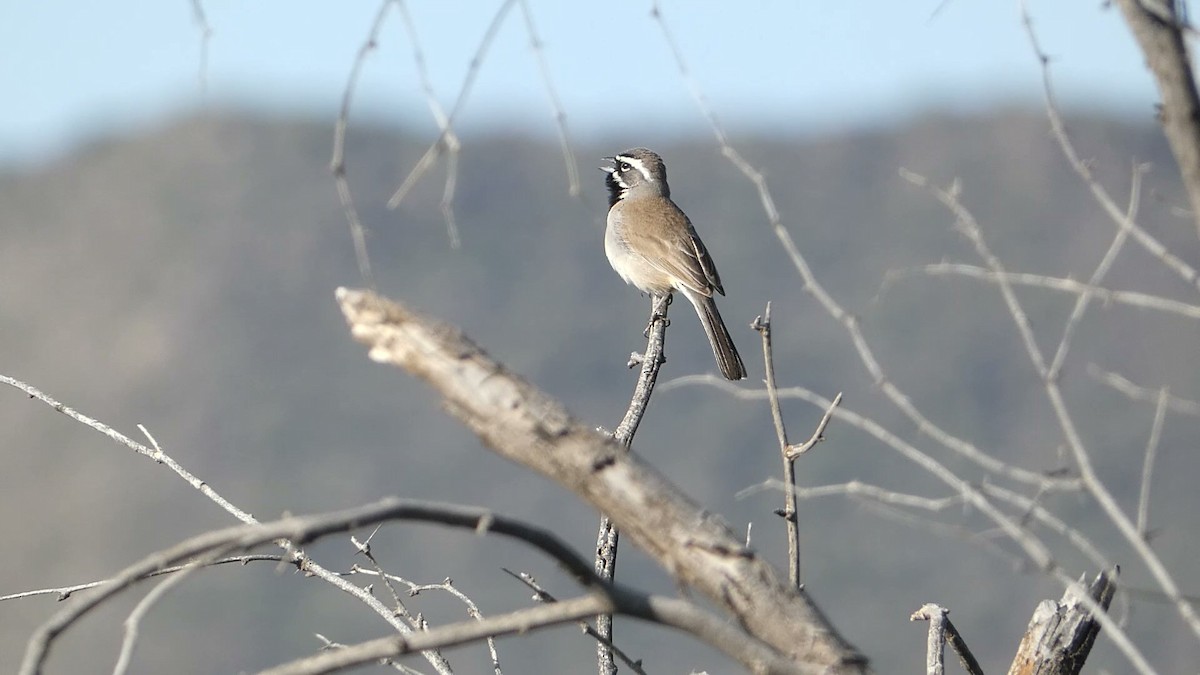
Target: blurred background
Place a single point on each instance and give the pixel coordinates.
(171, 236)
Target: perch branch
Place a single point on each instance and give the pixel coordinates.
(523, 424)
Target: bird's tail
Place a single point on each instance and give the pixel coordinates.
(718, 336)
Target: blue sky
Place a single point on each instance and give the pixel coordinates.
(73, 71)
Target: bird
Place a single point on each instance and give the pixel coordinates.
(652, 245)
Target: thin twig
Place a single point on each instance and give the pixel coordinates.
(133, 622)
(1110, 256)
(200, 18)
(788, 512)
(1082, 168)
(788, 452)
(297, 556)
(680, 614)
(965, 221)
(560, 113)
(794, 451)
(859, 490)
(308, 528)
(65, 592)
(398, 606)
(608, 536)
(1122, 384)
(447, 140)
(543, 596)
(1105, 295)
(1160, 413)
(337, 163)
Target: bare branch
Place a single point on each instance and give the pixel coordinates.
(763, 326)
(301, 530)
(608, 537)
(521, 621)
(1061, 634)
(941, 630)
(1084, 299)
(1105, 295)
(200, 18)
(818, 435)
(1033, 547)
(542, 595)
(446, 585)
(298, 556)
(1122, 384)
(155, 454)
(525, 425)
(1161, 38)
(788, 452)
(1160, 413)
(337, 163)
(133, 622)
(670, 612)
(1106, 202)
(447, 140)
(965, 221)
(560, 114)
(65, 592)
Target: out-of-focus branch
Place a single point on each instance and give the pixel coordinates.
(297, 556)
(200, 18)
(1123, 384)
(447, 140)
(1108, 503)
(1160, 34)
(787, 451)
(525, 425)
(1104, 295)
(544, 596)
(212, 545)
(1084, 170)
(756, 656)
(65, 592)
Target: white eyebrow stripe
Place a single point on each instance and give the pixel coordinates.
(639, 165)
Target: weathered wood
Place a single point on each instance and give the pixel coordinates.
(1061, 634)
(525, 425)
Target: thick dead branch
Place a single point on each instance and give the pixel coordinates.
(1061, 634)
(1160, 34)
(525, 425)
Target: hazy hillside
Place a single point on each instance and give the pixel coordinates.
(184, 280)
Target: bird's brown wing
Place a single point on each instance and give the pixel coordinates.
(672, 247)
(707, 265)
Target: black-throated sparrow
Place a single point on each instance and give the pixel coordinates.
(653, 246)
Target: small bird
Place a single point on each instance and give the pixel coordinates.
(651, 243)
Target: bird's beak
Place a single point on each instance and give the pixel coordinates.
(612, 164)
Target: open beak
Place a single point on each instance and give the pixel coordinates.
(612, 164)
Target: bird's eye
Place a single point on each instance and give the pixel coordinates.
(625, 166)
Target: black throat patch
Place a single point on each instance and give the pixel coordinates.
(615, 191)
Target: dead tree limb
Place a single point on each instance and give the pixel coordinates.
(525, 425)
(1061, 634)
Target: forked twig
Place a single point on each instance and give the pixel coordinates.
(787, 451)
